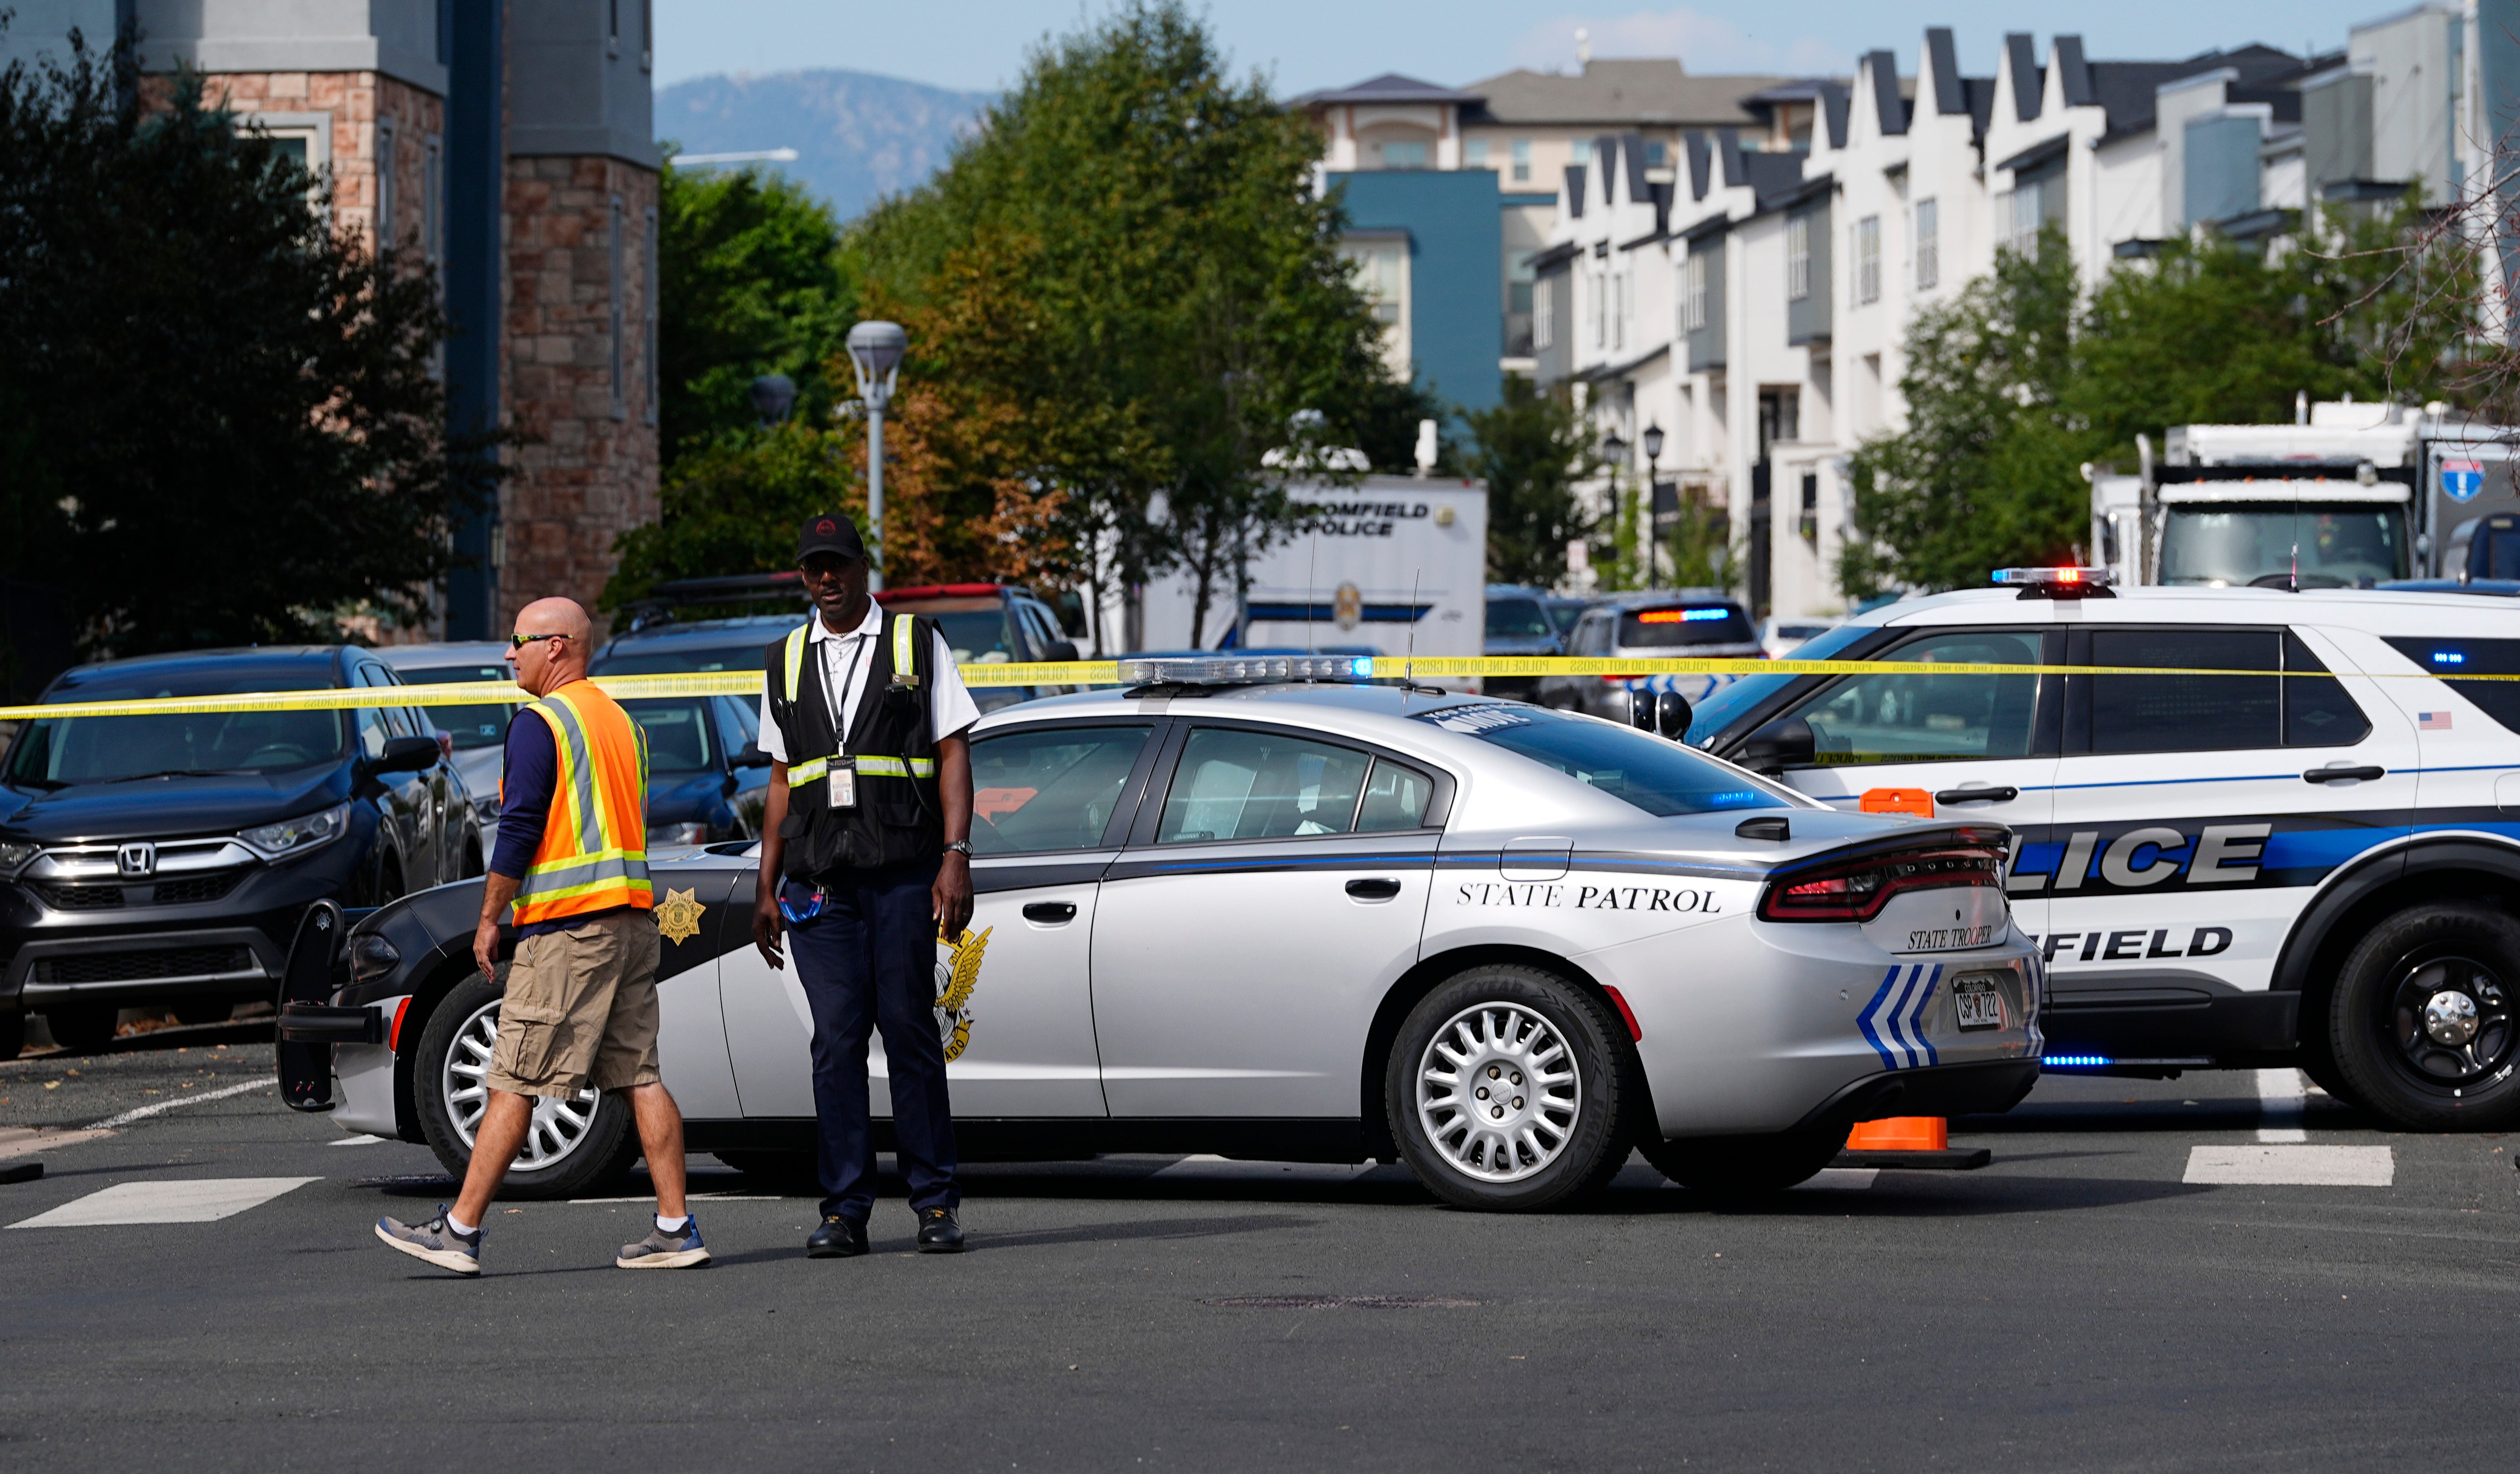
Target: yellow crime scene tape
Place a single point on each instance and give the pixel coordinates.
(1108, 673)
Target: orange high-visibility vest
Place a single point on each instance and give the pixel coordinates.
(594, 854)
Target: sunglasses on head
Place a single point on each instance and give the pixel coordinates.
(520, 642)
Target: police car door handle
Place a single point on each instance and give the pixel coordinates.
(1977, 795)
(1373, 890)
(1051, 913)
(2342, 775)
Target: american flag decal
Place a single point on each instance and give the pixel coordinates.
(2432, 721)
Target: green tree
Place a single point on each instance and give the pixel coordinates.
(219, 421)
(1190, 294)
(1532, 448)
(732, 505)
(752, 285)
(1985, 474)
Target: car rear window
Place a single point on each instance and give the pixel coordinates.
(1684, 624)
(2451, 658)
(1518, 620)
(1658, 776)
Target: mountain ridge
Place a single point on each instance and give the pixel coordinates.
(858, 135)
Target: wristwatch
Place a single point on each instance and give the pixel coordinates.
(962, 847)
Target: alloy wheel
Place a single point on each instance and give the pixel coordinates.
(2451, 1019)
(558, 1125)
(1498, 1093)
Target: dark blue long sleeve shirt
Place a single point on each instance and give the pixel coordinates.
(529, 777)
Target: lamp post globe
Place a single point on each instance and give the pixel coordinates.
(876, 350)
(1653, 444)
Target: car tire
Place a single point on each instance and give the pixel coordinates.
(83, 1028)
(205, 1011)
(2404, 997)
(1752, 1166)
(574, 1148)
(1559, 1067)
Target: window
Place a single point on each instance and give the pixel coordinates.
(1913, 715)
(612, 26)
(1582, 151)
(1656, 155)
(1798, 281)
(1049, 788)
(1868, 260)
(1518, 620)
(1378, 277)
(1694, 300)
(1474, 154)
(621, 389)
(2017, 213)
(1928, 243)
(1240, 784)
(1522, 160)
(2499, 699)
(385, 183)
(646, 35)
(1395, 798)
(1623, 300)
(471, 726)
(2317, 710)
(107, 749)
(2186, 713)
(1661, 777)
(1543, 317)
(1404, 155)
(678, 733)
(1680, 626)
(432, 201)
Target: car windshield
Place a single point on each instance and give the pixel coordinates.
(57, 753)
(484, 725)
(677, 730)
(1511, 618)
(1684, 625)
(1563, 612)
(2339, 546)
(1728, 703)
(1656, 775)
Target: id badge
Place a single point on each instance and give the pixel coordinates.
(843, 779)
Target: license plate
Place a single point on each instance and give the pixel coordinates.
(1976, 1004)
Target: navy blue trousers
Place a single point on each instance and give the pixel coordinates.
(869, 958)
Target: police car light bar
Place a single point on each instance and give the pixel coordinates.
(1239, 670)
(2056, 583)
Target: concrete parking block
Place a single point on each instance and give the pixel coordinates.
(2293, 1166)
(194, 1200)
(26, 1141)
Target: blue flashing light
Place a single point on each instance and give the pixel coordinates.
(1362, 667)
(1694, 616)
(2076, 1063)
(2448, 658)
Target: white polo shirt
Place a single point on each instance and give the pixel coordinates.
(848, 659)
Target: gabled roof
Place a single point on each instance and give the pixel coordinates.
(2124, 90)
(1981, 104)
(1834, 107)
(1574, 192)
(1942, 57)
(2075, 73)
(1623, 92)
(2022, 62)
(1390, 87)
(1890, 110)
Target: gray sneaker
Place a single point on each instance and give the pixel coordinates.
(436, 1241)
(681, 1249)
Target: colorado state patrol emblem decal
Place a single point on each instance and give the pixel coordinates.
(678, 916)
(958, 972)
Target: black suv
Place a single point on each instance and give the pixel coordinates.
(166, 860)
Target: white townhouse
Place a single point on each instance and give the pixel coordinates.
(1750, 301)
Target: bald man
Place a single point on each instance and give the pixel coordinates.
(581, 1001)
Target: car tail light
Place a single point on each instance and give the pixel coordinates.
(1856, 890)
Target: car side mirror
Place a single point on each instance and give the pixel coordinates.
(1785, 742)
(1061, 650)
(1672, 715)
(406, 754)
(750, 757)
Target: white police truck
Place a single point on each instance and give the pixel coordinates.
(2317, 865)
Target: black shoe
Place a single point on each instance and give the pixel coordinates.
(938, 1232)
(838, 1239)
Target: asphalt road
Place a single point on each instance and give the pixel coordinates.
(2078, 1305)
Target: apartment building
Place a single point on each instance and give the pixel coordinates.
(1753, 305)
(511, 146)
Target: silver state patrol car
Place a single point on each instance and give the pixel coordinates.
(2319, 866)
(1309, 922)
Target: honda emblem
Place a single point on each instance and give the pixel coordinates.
(137, 859)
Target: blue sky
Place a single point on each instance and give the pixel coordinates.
(980, 44)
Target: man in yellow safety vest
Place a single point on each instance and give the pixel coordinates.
(580, 1005)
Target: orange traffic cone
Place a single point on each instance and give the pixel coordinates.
(1907, 1141)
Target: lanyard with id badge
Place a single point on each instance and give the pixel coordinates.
(842, 777)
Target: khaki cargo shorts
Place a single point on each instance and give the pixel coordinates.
(580, 1011)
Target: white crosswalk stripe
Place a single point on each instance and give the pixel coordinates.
(2295, 1166)
(191, 1200)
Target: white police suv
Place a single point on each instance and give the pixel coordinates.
(2317, 866)
(1312, 922)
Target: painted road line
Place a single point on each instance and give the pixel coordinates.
(2268, 1165)
(1839, 1179)
(195, 1200)
(361, 1140)
(698, 1197)
(179, 1102)
(2281, 1095)
(27, 1141)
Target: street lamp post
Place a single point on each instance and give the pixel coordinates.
(875, 349)
(1653, 541)
(1615, 451)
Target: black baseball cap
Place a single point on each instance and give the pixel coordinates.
(829, 532)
